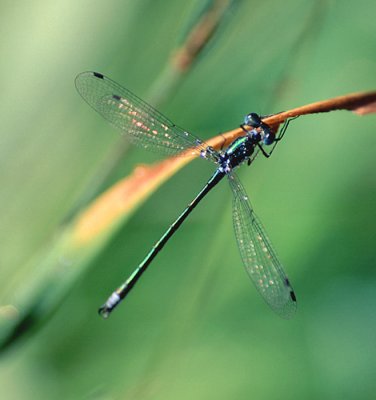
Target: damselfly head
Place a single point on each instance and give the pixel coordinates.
(255, 135)
(253, 120)
(268, 136)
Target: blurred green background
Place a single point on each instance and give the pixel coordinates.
(195, 328)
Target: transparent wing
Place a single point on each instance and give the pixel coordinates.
(255, 154)
(258, 256)
(140, 122)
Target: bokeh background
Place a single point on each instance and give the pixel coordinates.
(194, 328)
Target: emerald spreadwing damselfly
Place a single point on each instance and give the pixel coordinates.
(146, 127)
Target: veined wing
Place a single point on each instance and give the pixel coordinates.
(259, 258)
(139, 121)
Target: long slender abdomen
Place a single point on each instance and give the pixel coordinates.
(118, 295)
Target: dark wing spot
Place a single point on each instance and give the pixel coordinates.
(292, 295)
(116, 97)
(98, 75)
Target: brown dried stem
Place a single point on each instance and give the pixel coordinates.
(200, 35)
(360, 103)
(127, 194)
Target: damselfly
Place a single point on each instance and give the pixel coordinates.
(147, 127)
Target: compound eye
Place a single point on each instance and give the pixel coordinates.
(252, 119)
(269, 136)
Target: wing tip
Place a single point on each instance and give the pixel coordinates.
(92, 74)
(98, 75)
